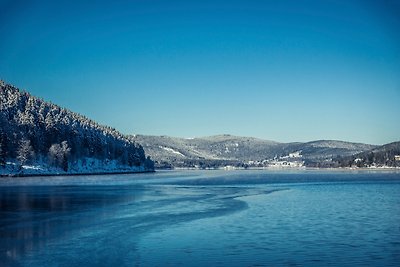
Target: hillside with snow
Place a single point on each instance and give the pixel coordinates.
(38, 137)
(383, 156)
(228, 150)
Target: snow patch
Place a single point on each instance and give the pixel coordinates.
(171, 150)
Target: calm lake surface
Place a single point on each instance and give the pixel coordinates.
(202, 218)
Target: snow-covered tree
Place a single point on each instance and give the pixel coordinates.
(25, 151)
(58, 155)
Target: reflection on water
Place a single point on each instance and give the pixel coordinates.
(36, 217)
(31, 216)
(203, 218)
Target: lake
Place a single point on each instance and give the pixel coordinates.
(202, 218)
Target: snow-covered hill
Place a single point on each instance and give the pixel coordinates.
(39, 137)
(383, 156)
(221, 150)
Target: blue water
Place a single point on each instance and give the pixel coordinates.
(202, 218)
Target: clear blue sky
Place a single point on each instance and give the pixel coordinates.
(279, 70)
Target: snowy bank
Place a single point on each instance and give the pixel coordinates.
(86, 166)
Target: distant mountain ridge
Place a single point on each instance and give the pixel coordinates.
(38, 137)
(222, 150)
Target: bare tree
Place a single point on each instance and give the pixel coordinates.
(58, 155)
(25, 151)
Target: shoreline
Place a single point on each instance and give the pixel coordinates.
(283, 169)
(19, 175)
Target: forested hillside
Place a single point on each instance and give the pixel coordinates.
(39, 137)
(387, 155)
